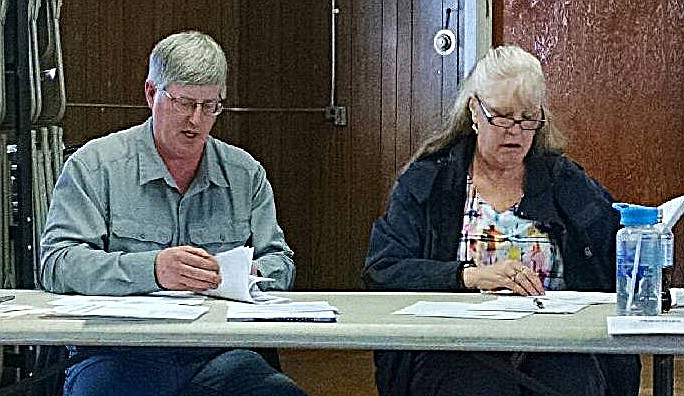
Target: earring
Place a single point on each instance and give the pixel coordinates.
(474, 126)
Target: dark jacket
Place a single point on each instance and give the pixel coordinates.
(414, 244)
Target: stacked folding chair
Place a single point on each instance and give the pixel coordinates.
(31, 162)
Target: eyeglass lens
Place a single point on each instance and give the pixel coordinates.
(188, 106)
(505, 122)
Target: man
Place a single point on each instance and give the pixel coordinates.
(146, 209)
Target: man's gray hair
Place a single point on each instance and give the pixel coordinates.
(188, 58)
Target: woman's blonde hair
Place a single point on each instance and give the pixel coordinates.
(523, 74)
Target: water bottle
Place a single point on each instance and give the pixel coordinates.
(640, 256)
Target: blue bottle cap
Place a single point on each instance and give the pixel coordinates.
(636, 215)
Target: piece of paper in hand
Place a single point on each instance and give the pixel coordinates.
(672, 210)
(237, 282)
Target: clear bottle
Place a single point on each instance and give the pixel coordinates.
(640, 256)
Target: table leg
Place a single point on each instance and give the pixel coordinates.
(663, 375)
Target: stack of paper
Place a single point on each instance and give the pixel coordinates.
(315, 311)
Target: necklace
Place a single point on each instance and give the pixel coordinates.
(501, 196)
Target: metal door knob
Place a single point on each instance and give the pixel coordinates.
(444, 42)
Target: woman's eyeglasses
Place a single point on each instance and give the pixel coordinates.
(187, 106)
(505, 122)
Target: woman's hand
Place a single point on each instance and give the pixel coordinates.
(509, 274)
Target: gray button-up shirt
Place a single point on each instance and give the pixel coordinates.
(115, 206)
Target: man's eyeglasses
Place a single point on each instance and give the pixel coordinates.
(187, 106)
(505, 122)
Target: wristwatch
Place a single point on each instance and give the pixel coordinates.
(466, 264)
(469, 264)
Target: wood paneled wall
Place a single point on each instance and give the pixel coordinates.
(614, 71)
(330, 182)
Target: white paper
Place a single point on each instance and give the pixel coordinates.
(185, 299)
(509, 307)
(662, 324)
(4, 308)
(236, 266)
(580, 297)
(449, 309)
(316, 311)
(672, 210)
(136, 307)
(528, 304)
(136, 311)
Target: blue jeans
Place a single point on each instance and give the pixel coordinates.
(175, 371)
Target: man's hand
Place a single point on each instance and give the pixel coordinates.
(186, 268)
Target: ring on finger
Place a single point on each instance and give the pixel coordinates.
(514, 278)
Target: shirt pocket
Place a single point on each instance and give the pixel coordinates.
(219, 237)
(129, 235)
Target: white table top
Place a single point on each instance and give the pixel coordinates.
(364, 322)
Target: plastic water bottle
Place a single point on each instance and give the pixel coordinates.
(641, 253)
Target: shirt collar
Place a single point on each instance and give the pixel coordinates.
(212, 164)
(152, 166)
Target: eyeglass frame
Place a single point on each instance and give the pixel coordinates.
(184, 107)
(490, 118)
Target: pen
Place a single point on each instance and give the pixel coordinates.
(6, 298)
(538, 303)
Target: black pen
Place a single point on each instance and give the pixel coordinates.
(7, 297)
(538, 303)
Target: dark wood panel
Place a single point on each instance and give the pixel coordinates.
(615, 75)
(451, 65)
(81, 124)
(390, 103)
(366, 125)
(426, 95)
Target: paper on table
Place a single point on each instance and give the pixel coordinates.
(580, 297)
(665, 324)
(528, 304)
(315, 311)
(190, 299)
(4, 308)
(136, 311)
(448, 309)
(137, 307)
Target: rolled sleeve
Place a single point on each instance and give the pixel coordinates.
(271, 253)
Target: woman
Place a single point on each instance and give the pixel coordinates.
(467, 213)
